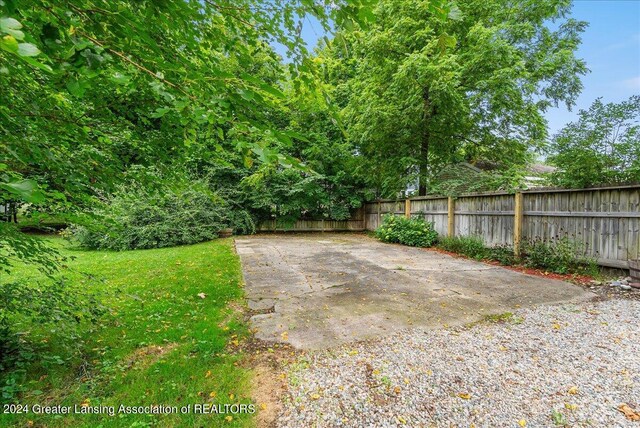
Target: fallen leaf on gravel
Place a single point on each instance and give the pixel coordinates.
(629, 413)
(406, 381)
(397, 390)
(557, 326)
(464, 395)
(569, 406)
(522, 423)
(354, 352)
(573, 390)
(263, 406)
(376, 372)
(315, 396)
(284, 335)
(402, 420)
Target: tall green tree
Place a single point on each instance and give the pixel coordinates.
(601, 147)
(424, 91)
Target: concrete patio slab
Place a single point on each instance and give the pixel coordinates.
(315, 291)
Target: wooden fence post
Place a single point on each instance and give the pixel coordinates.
(407, 208)
(451, 219)
(517, 224)
(379, 219)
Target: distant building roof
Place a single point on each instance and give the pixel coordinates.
(540, 168)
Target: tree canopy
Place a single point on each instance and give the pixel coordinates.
(601, 147)
(189, 99)
(102, 93)
(419, 92)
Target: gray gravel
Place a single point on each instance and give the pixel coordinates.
(570, 365)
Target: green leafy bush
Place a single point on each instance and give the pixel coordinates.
(138, 218)
(503, 254)
(470, 246)
(559, 255)
(408, 231)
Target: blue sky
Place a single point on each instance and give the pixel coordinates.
(610, 46)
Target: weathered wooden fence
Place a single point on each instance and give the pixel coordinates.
(606, 220)
(354, 224)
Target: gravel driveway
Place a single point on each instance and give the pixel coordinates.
(564, 365)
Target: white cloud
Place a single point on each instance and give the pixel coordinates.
(633, 40)
(633, 83)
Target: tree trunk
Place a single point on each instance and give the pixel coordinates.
(423, 164)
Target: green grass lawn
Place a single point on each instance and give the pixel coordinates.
(159, 343)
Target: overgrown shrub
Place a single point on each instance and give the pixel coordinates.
(408, 231)
(559, 255)
(470, 246)
(138, 218)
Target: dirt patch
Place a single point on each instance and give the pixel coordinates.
(144, 357)
(236, 311)
(268, 361)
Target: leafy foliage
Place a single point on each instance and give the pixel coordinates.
(503, 254)
(420, 92)
(413, 231)
(136, 217)
(602, 147)
(470, 246)
(52, 304)
(560, 255)
(98, 88)
(452, 181)
(18, 247)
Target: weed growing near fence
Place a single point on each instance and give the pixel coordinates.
(559, 255)
(562, 256)
(414, 232)
(470, 246)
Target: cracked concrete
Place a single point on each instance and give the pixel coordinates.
(329, 289)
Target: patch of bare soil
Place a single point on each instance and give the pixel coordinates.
(237, 311)
(268, 362)
(146, 356)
